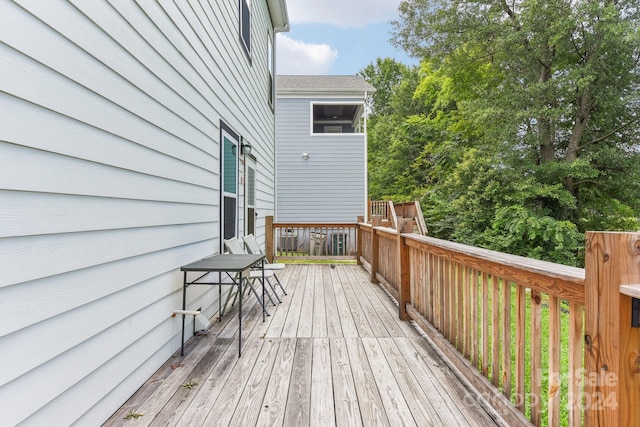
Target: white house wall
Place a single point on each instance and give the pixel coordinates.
(109, 182)
(329, 186)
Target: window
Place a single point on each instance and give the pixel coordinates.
(337, 118)
(245, 24)
(250, 192)
(270, 68)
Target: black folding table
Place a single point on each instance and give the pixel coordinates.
(224, 263)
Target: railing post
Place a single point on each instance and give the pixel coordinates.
(375, 249)
(612, 346)
(404, 268)
(269, 238)
(359, 241)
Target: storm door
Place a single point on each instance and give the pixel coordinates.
(229, 208)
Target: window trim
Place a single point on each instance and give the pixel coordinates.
(245, 37)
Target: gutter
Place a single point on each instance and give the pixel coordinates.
(279, 15)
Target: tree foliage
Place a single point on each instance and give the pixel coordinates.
(519, 130)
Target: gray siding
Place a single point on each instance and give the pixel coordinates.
(330, 185)
(109, 182)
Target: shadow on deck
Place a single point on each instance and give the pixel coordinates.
(332, 353)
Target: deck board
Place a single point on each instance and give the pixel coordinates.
(346, 399)
(332, 353)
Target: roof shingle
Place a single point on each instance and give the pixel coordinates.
(322, 83)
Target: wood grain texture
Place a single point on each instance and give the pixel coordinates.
(344, 389)
(536, 358)
(576, 366)
(442, 272)
(555, 279)
(612, 356)
(322, 409)
(553, 392)
(394, 379)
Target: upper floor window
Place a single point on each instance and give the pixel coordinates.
(245, 24)
(270, 68)
(337, 118)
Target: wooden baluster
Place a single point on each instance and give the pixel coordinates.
(521, 319)
(536, 357)
(506, 337)
(440, 307)
(576, 340)
(430, 296)
(458, 306)
(472, 317)
(473, 283)
(495, 331)
(553, 407)
(485, 324)
(448, 295)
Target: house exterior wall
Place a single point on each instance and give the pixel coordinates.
(329, 186)
(110, 119)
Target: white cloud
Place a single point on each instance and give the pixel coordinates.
(296, 57)
(342, 13)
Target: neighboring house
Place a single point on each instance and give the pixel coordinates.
(321, 148)
(122, 128)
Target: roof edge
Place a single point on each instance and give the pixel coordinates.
(279, 15)
(323, 84)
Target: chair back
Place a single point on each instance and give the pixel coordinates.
(234, 246)
(252, 244)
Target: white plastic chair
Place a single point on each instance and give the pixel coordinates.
(254, 248)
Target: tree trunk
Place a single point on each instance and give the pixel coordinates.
(546, 136)
(584, 104)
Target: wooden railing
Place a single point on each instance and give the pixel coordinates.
(517, 329)
(379, 208)
(311, 241)
(387, 213)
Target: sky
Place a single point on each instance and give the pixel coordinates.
(337, 36)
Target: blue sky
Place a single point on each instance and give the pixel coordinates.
(337, 36)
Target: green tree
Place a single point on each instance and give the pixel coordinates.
(548, 92)
(391, 147)
(566, 72)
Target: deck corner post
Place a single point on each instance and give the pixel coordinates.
(612, 346)
(269, 231)
(404, 271)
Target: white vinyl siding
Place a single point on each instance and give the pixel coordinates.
(330, 185)
(109, 182)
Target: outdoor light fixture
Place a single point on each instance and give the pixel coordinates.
(245, 148)
(305, 156)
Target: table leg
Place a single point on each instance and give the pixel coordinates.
(184, 307)
(262, 268)
(240, 317)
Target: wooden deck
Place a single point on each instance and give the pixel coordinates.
(332, 353)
